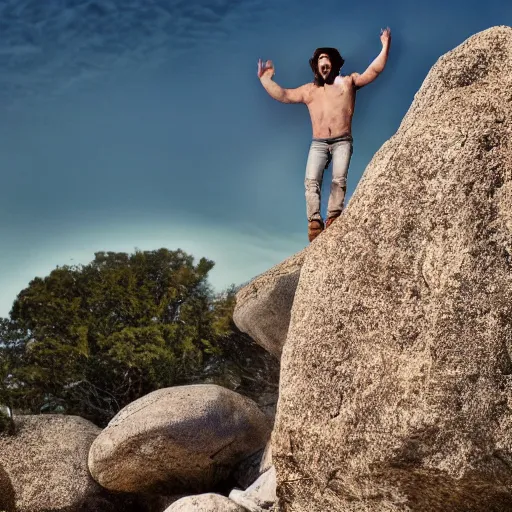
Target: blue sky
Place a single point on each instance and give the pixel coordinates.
(142, 124)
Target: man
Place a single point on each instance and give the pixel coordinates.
(330, 100)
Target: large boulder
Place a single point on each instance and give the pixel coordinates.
(396, 375)
(263, 306)
(46, 461)
(177, 440)
(208, 502)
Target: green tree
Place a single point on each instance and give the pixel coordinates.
(89, 339)
(239, 363)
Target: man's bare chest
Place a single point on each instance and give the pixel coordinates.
(337, 96)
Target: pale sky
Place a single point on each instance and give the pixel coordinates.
(142, 124)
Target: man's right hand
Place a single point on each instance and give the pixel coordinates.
(265, 69)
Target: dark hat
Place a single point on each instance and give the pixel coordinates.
(337, 60)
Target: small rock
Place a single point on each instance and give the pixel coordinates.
(205, 503)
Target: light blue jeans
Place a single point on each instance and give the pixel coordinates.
(322, 151)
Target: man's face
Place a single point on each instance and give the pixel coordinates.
(324, 65)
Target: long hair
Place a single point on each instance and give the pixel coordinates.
(337, 62)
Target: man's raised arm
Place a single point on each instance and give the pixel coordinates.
(265, 74)
(377, 66)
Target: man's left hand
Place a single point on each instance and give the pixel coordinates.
(385, 36)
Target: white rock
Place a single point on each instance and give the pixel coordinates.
(205, 503)
(260, 496)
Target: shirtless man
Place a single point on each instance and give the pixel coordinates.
(330, 100)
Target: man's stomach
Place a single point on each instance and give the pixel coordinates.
(331, 127)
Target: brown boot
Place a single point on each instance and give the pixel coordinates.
(330, 221)
(315, 227)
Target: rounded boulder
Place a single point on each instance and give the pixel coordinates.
(178, 440)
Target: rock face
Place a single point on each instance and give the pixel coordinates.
(46, 461)
(263, 306)
(396, 375)
(205, 503)
(178, 440)
(7, 501)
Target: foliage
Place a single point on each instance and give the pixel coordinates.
(241, 364)
(89, 339)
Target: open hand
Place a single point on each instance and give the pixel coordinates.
(385, 35)
(265, 68)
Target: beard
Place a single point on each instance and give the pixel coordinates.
(329, 79)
